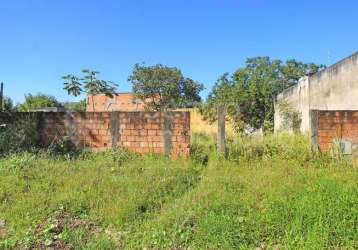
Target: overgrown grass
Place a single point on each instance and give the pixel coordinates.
(18, 134)
(269, 192)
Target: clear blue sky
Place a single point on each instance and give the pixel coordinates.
(41, 40)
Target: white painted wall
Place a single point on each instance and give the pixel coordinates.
(335, 88)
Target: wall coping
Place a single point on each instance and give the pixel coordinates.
(329, 71)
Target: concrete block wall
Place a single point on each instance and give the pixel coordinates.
(334, 88)
(329, 127)
(298, 97)
(158, 132)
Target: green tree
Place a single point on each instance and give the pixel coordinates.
(38, 101)
(163, 87)
(8, 104)
(293, 70)
(78, 106)
(249, 94)
(221, 93)
(88, 84)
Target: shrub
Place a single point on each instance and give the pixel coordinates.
(280, 146)
(64, 147)
(18, 134)
(291, 118)
(200, 148)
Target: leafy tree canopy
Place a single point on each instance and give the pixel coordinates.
(163, 87)
(78, 106)
(8, 104)
(38, 101)
(89, 84)
(249, 93)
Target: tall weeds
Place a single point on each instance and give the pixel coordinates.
(18, 134)
(268, 193)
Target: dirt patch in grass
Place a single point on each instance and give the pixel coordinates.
(61, 230)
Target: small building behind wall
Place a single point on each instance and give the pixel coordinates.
(126, 101)
(334, 88)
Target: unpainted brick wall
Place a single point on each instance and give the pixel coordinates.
(119, 102)
(158, 132)
(328, 126)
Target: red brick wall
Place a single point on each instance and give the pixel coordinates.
(137, 131)
(119, 102)
(333, 125)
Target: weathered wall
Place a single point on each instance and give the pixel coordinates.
(335, 88)
(331, 127)
(119, 102)
(298, 97)
(199, 125)
(158, 132)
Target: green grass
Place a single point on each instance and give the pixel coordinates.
(269, 192)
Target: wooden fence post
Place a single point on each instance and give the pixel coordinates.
(221, 142)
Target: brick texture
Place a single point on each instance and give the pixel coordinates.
(136, 131)
(119, 102)
(332, 125)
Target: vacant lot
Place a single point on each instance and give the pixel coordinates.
(269, 192)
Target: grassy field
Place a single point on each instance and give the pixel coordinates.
(270, 193)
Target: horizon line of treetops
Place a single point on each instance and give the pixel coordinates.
(248, 94)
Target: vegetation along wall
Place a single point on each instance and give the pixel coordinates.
(158, 132)
(335, 130)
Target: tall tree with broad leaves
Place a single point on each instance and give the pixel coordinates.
(249, 94)
(37, 101)
(88, 84)
(163, 88)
